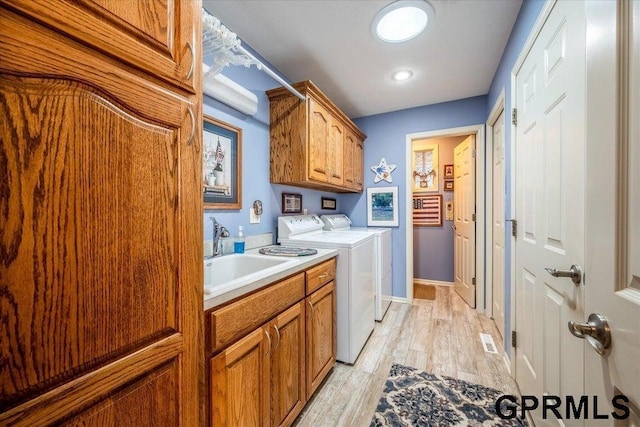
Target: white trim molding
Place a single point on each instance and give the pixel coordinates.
(430, 282)
(479, 132)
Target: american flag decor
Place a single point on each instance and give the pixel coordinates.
(427, 210)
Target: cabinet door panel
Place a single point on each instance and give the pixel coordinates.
(100, 280)
(240, 383)
(321, 335)
(349, 157)
(358, 163)
(288, 366)
(336, 153)
(157, 36)
(318, 141)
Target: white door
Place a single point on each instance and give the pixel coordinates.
(497, 229)
(613, 206)
(464, 197)
(549, 197)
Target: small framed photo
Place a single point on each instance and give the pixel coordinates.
(382, 207)
(329, 203)
(291, 203)
(448, 172)
(448, 185)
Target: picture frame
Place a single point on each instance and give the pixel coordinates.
(424, 166)
(448, 185)
(291, 203)
(448, 172)
(221, 164)
(329, 203)
(427, 210)
(382, 206)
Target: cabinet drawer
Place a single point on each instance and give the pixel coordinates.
(321, 274)
(237, 319)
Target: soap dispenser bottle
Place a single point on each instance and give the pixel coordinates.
(238, 243)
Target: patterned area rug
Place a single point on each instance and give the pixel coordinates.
(416, 398)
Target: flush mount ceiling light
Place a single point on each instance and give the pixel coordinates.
(402, 75)
(402, 20)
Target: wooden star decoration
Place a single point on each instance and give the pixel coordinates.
(383, 171)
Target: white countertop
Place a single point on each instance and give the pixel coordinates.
(250, 283)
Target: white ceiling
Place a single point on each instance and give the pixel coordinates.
(330, 42)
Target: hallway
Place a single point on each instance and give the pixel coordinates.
(440, 336)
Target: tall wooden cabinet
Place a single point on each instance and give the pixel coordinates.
(100, 279)
(313, 143)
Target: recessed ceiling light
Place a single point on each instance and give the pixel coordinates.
(402, 20)
(402, 75)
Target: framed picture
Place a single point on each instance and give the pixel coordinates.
(448, 185)
(448, 172)
(424, 163)
(382, 206)
(221, 165)
(291, 203)
(427, 210)
(329, 203)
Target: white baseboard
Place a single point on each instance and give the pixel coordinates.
(401, 300)
(507, 362)
(432, 282)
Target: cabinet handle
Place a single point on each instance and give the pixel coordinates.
(277, 332)
(193, 126)
(193, 61)
(323, 275)
(310, 305)
(269, 338)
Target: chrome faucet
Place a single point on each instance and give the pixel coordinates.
(218, 232)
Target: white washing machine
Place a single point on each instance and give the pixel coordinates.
(383, 258)
(355, 270)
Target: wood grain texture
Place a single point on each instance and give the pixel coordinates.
(97, 295)
(150, 35)
(237, 319)
(309, 146)
(317, 276)
(288, 395)
(349, 394)
(240, 383)
(321, 335)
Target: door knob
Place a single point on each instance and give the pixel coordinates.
(596, 331)
(575, 273)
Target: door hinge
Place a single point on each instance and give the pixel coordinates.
(514, 339)
(473, 281)
(473, 153)
(473, 217)
(514, 116)
(514, 228)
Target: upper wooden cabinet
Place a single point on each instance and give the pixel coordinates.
(159, 37)
(101, 305)
(314, 144)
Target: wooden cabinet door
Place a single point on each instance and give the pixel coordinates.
(319, 123)
(321, 335)
(288, 366)
(159, 37)
(101, 283)
(336, 153)
(240, 383)
(358, 164)
(349, 157)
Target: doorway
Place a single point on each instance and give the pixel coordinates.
(478, 132)
(496, 214)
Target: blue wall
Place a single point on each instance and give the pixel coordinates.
(386, 137)
(502, 80)
(255, 159)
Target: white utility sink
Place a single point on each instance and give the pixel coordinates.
(229, 272)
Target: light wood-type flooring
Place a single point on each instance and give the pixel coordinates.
(439, 336)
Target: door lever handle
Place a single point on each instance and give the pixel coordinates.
(575, 273)
(596, 331)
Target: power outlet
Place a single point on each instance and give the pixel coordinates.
(253, 218)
